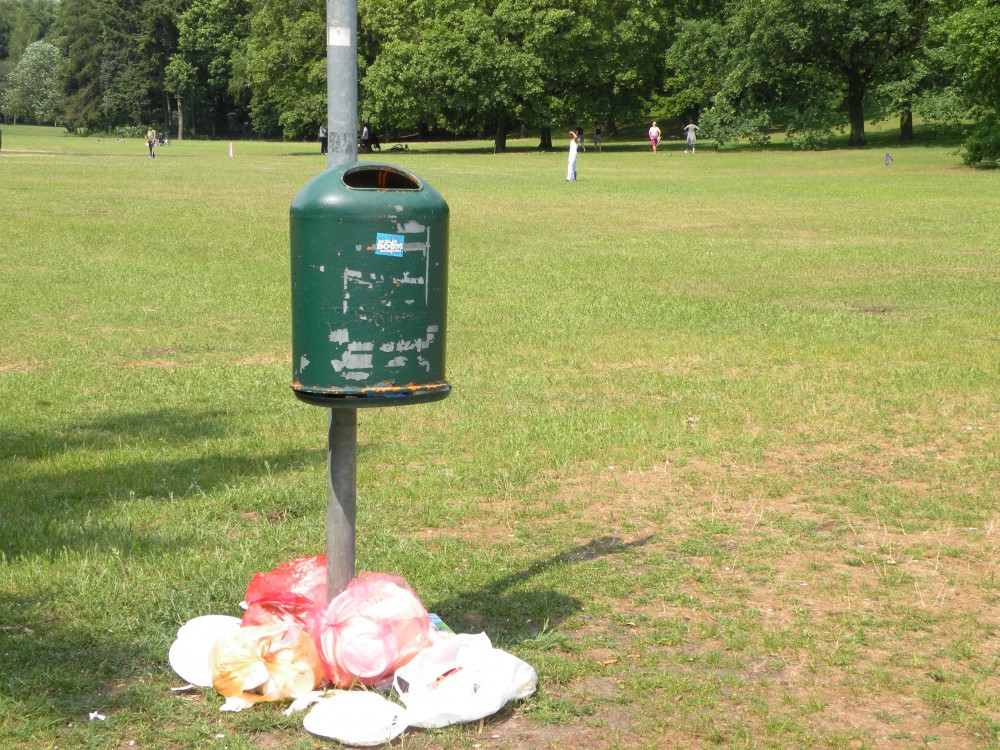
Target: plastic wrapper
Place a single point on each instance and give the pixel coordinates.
(461, 679)
(264, 663)
(189, 653)
(293, 593)
(371, 629)
(356, 718)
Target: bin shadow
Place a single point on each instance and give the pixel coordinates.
(511, 617)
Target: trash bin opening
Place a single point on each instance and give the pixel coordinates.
(379, 178)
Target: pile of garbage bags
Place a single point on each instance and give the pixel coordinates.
(376, 634)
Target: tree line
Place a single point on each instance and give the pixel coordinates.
(742, 68)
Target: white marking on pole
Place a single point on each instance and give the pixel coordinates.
(338, 36)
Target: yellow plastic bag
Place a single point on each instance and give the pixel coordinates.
(264, 663)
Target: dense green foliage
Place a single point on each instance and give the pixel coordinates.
(973, 34)
(34, 89)
(743, 68)
(470, 66)
(810, 66)
(22, 22)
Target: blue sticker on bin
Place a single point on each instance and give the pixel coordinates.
(389, 244)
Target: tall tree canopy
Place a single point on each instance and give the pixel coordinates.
(22, 22)
(34, 92)
(972, 33)
(286, 66)
(743, 67)
(465, 65)
(804, 64)
(208, 68)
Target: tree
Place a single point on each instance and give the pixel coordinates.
(35, 90)
(629, 68)
(207, 69)
(457, 67)
(972, 34)
(285, 67)
(22, 22)
(806, 64)
(140, 36)
(81, 38)
(696, 62)
(463, 65)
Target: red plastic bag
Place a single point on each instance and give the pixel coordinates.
(293, 593)
(371, 629)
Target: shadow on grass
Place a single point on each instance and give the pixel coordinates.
(48, 494)
(511, 616)
(435, 148)
(925, 136)
(52, 669)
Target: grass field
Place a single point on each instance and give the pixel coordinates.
(721, 459)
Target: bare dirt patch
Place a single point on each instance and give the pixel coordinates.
(264, 358)
(155, 363)
(19, 366)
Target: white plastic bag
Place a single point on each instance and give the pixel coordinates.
(356, 718)
(459, 680)
(189, 654)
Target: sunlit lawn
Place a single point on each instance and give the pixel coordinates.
(721, 458)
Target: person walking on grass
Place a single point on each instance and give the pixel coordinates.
(690, 129)
(574, 145)
(151, 141)
(654, 136)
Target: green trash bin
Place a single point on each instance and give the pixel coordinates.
(369, 288)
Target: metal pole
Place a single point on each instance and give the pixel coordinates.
(342, 148)
(341, 499)
(342, 81)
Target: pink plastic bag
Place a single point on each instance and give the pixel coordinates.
(293, 593)
(371, 629)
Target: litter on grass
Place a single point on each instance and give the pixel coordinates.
(375, 634)
(264, 663)
(190, 653)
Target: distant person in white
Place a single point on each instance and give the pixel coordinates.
(654, 136)
(574, 145)
(690, 129)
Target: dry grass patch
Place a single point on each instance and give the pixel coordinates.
(830, 625)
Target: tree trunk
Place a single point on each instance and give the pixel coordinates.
(545, 138)
(906, 125)
(500, 140)
(855, 105)
(180, 120)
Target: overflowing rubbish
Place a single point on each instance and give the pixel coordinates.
(337, 659)
(356, 718)
(264, 663)
(190, 654)
(371, 629)
(459, 680)
(294, 593)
